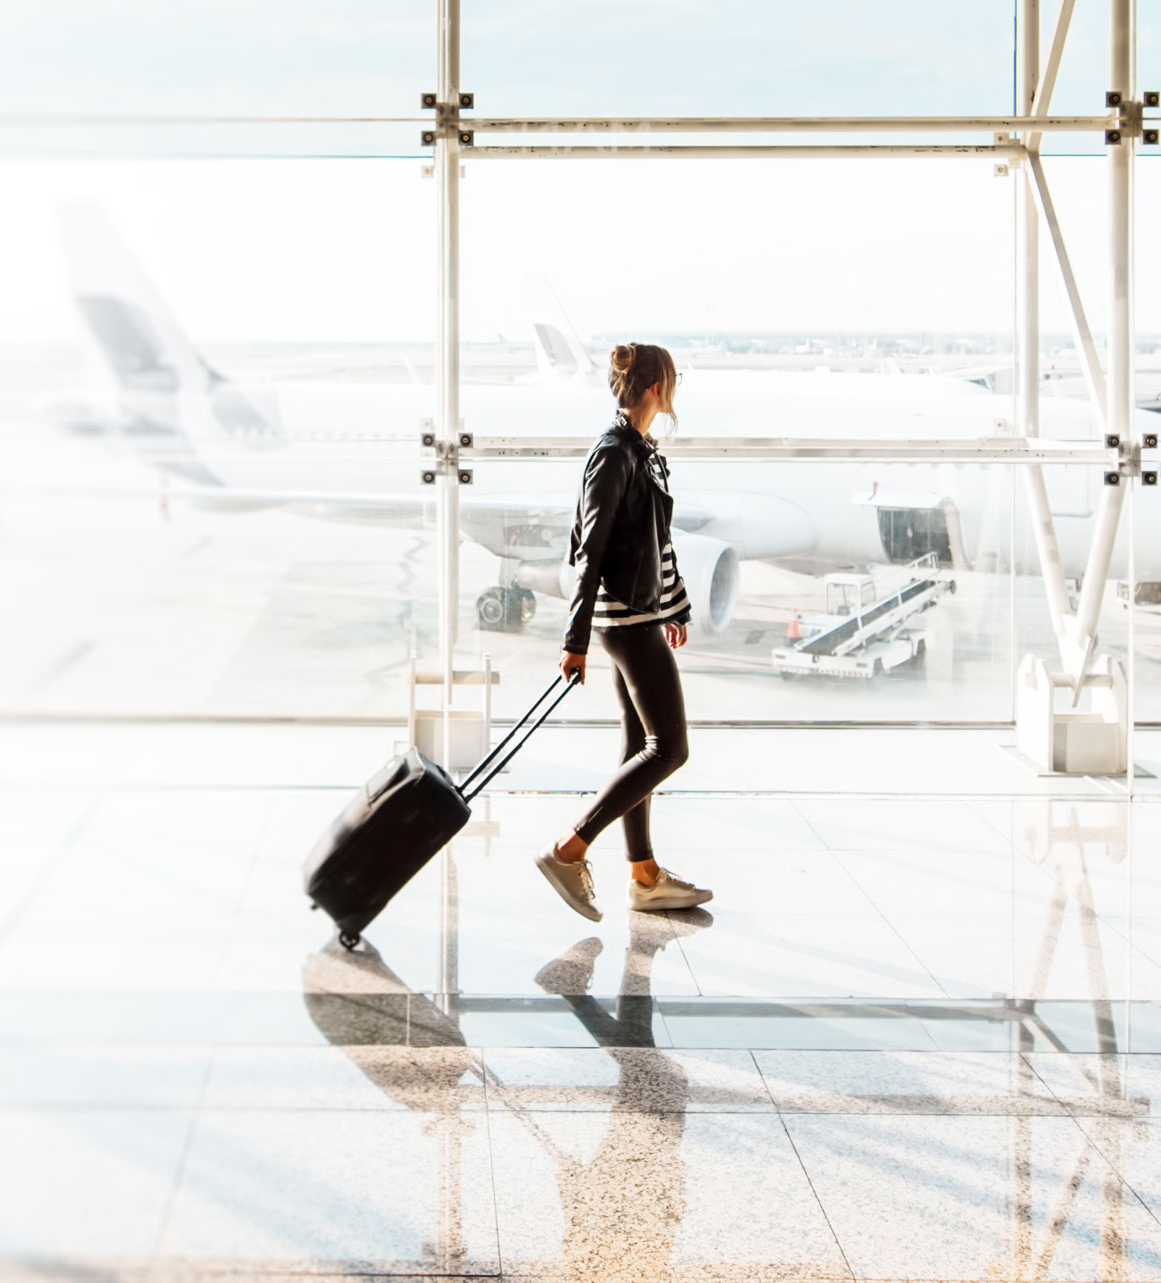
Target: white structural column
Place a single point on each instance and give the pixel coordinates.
(447, 339)
(1119, 363)
(1028, 327)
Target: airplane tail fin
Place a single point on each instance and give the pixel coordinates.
(132, 330)
(559, 352)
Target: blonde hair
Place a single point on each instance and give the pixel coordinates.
(633, 367)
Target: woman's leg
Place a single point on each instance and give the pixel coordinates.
(650, 691)
(635, 821)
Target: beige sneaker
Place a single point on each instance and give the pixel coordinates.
(573, 880)
(668, 892)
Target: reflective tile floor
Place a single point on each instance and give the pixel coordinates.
(910, 1038)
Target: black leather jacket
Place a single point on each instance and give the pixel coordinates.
(622, 522)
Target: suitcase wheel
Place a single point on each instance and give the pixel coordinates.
(347, 940)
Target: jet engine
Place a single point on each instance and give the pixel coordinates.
(710, 570)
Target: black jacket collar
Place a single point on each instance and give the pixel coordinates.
(622, 426)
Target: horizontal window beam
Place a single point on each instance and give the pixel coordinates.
(983, 450)
(731, 151)
(795, 124)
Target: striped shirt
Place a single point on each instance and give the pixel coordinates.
(674, 608)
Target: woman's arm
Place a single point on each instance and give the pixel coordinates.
(605, 480)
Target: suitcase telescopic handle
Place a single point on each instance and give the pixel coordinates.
(572, 681)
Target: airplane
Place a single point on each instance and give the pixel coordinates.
(352, 451)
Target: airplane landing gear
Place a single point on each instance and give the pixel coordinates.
(504, 609)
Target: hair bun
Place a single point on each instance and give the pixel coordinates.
(621, 357)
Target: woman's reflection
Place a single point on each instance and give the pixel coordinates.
(622, 1208)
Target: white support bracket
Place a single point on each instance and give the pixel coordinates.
(445, 455)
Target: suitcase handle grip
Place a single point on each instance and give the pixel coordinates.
(572, 681)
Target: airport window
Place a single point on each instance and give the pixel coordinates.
(232, 331)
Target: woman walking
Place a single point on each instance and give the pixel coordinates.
(628, 592)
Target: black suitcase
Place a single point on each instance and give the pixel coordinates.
(394, 824)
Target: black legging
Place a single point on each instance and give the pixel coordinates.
(653, 743)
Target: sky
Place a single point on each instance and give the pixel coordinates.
(261, 249)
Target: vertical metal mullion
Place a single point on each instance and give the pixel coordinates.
(447, 365)
(1119, 360)
(1028, 326)
(447, 379)
(1128, 68)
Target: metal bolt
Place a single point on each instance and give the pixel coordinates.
(1112, 137)
(1152, 137)
(466, 477)
(1149, 441)
(1112, 441)
(1113, 98)
(467, 101)
(1148, 478)
(427, 138)
(467, 138)
(466, 440)
(428, 478)
(1112, 478)
(1153, 97)
(428, 100)
(428, 440)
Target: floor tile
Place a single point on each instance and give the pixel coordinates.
(566, 1021)
(1040, 827)
(1133, 1149)
(87, 1074)
(753, 1023)
(428, 1079)
(775, 882)
(1048, 1026)
(725, 1195)
(898, 824)
(933, 881)
(309, 1188)
(36, 826)
(1054, 957)
(904, 1082)
(804, 956)
(274, 930)
(1097, 1026)
(1124, 1086)
(83, 1183)
(112, 870)
(1144, 934)
(99, 955)
(203, 1017)
(626, 1079)
(974, 1198)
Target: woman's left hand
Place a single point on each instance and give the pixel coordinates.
(675, 635)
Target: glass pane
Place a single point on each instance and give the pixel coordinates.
(1079, 187)
(211, 401)
(787, 316)
(855, 265)
(257, 58)
(739, 57)
(342, 58)
(898, 611)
